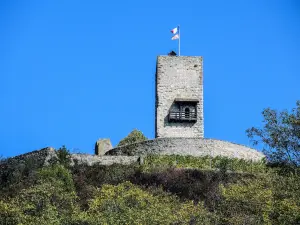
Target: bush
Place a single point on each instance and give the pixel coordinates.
(134, 137)
(160, 162)
(247, 202)
(52, 200)
(16, 175)
(9, 214)
(129, 204)
(267, 199)
(87, 178)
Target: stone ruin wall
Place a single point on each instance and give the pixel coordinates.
(130, 154)
(45, 156)
(189, 146)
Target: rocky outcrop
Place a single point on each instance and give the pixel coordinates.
(189, 146)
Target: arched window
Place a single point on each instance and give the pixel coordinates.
(187, 112)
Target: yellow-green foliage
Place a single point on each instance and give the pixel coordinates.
(51, 201)
(286, 192)
(267, 199)
(129, 204)
(206, 163)
(134, 137)
(247, 202)
(9, 213)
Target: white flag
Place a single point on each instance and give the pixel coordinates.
(176, 36)
(174, 31)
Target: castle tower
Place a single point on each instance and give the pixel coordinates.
(179, 97)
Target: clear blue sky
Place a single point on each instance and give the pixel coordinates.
(75, 71)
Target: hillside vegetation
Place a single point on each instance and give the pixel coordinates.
(163, 189)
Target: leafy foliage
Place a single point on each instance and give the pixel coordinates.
(154, 162)
(52, 200)
(164, 190)
(280, 135)
(88, 178)
(129, 204)
(249, 202)
(268, 199)
(63, 155)
(13, 173)
(134, 137)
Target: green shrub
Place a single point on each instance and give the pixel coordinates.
(52, 200)
(16, 175)
(247, 202)
(129, 204)
(267, 199)
(87, 178)
(286, 195)
(9, 214)
(134, 137)
(160, 162)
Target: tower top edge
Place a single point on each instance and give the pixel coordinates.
(167, 56)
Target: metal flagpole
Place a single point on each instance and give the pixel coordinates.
(179, 40)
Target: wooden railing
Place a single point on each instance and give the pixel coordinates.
(183, 116)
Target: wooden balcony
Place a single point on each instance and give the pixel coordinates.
(182, 116)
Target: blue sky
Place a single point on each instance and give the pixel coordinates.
(75, 71)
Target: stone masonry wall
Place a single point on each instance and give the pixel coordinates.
(189, 146)
(102, 160)
(45, 156)
(37, 159)
(178, 77)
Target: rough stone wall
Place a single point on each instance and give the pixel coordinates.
(35, 159)
(45, 156)
(42, 157)
(178, 77)
(102, 160)
(102, 146)
(189, 146)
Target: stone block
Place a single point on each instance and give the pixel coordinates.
(102, 146)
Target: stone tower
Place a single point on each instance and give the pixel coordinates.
(179, 97)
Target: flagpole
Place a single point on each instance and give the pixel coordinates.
(179, 40)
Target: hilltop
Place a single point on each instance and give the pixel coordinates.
(150, 182)
(163, 189)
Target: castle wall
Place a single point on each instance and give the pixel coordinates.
(36, 159)
(178, 77)
(102, 160)
(46, 156)
(42, 157)
(189, 146)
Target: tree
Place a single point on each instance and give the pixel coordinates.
(133, 137)
(280, 135)
(63, 155)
